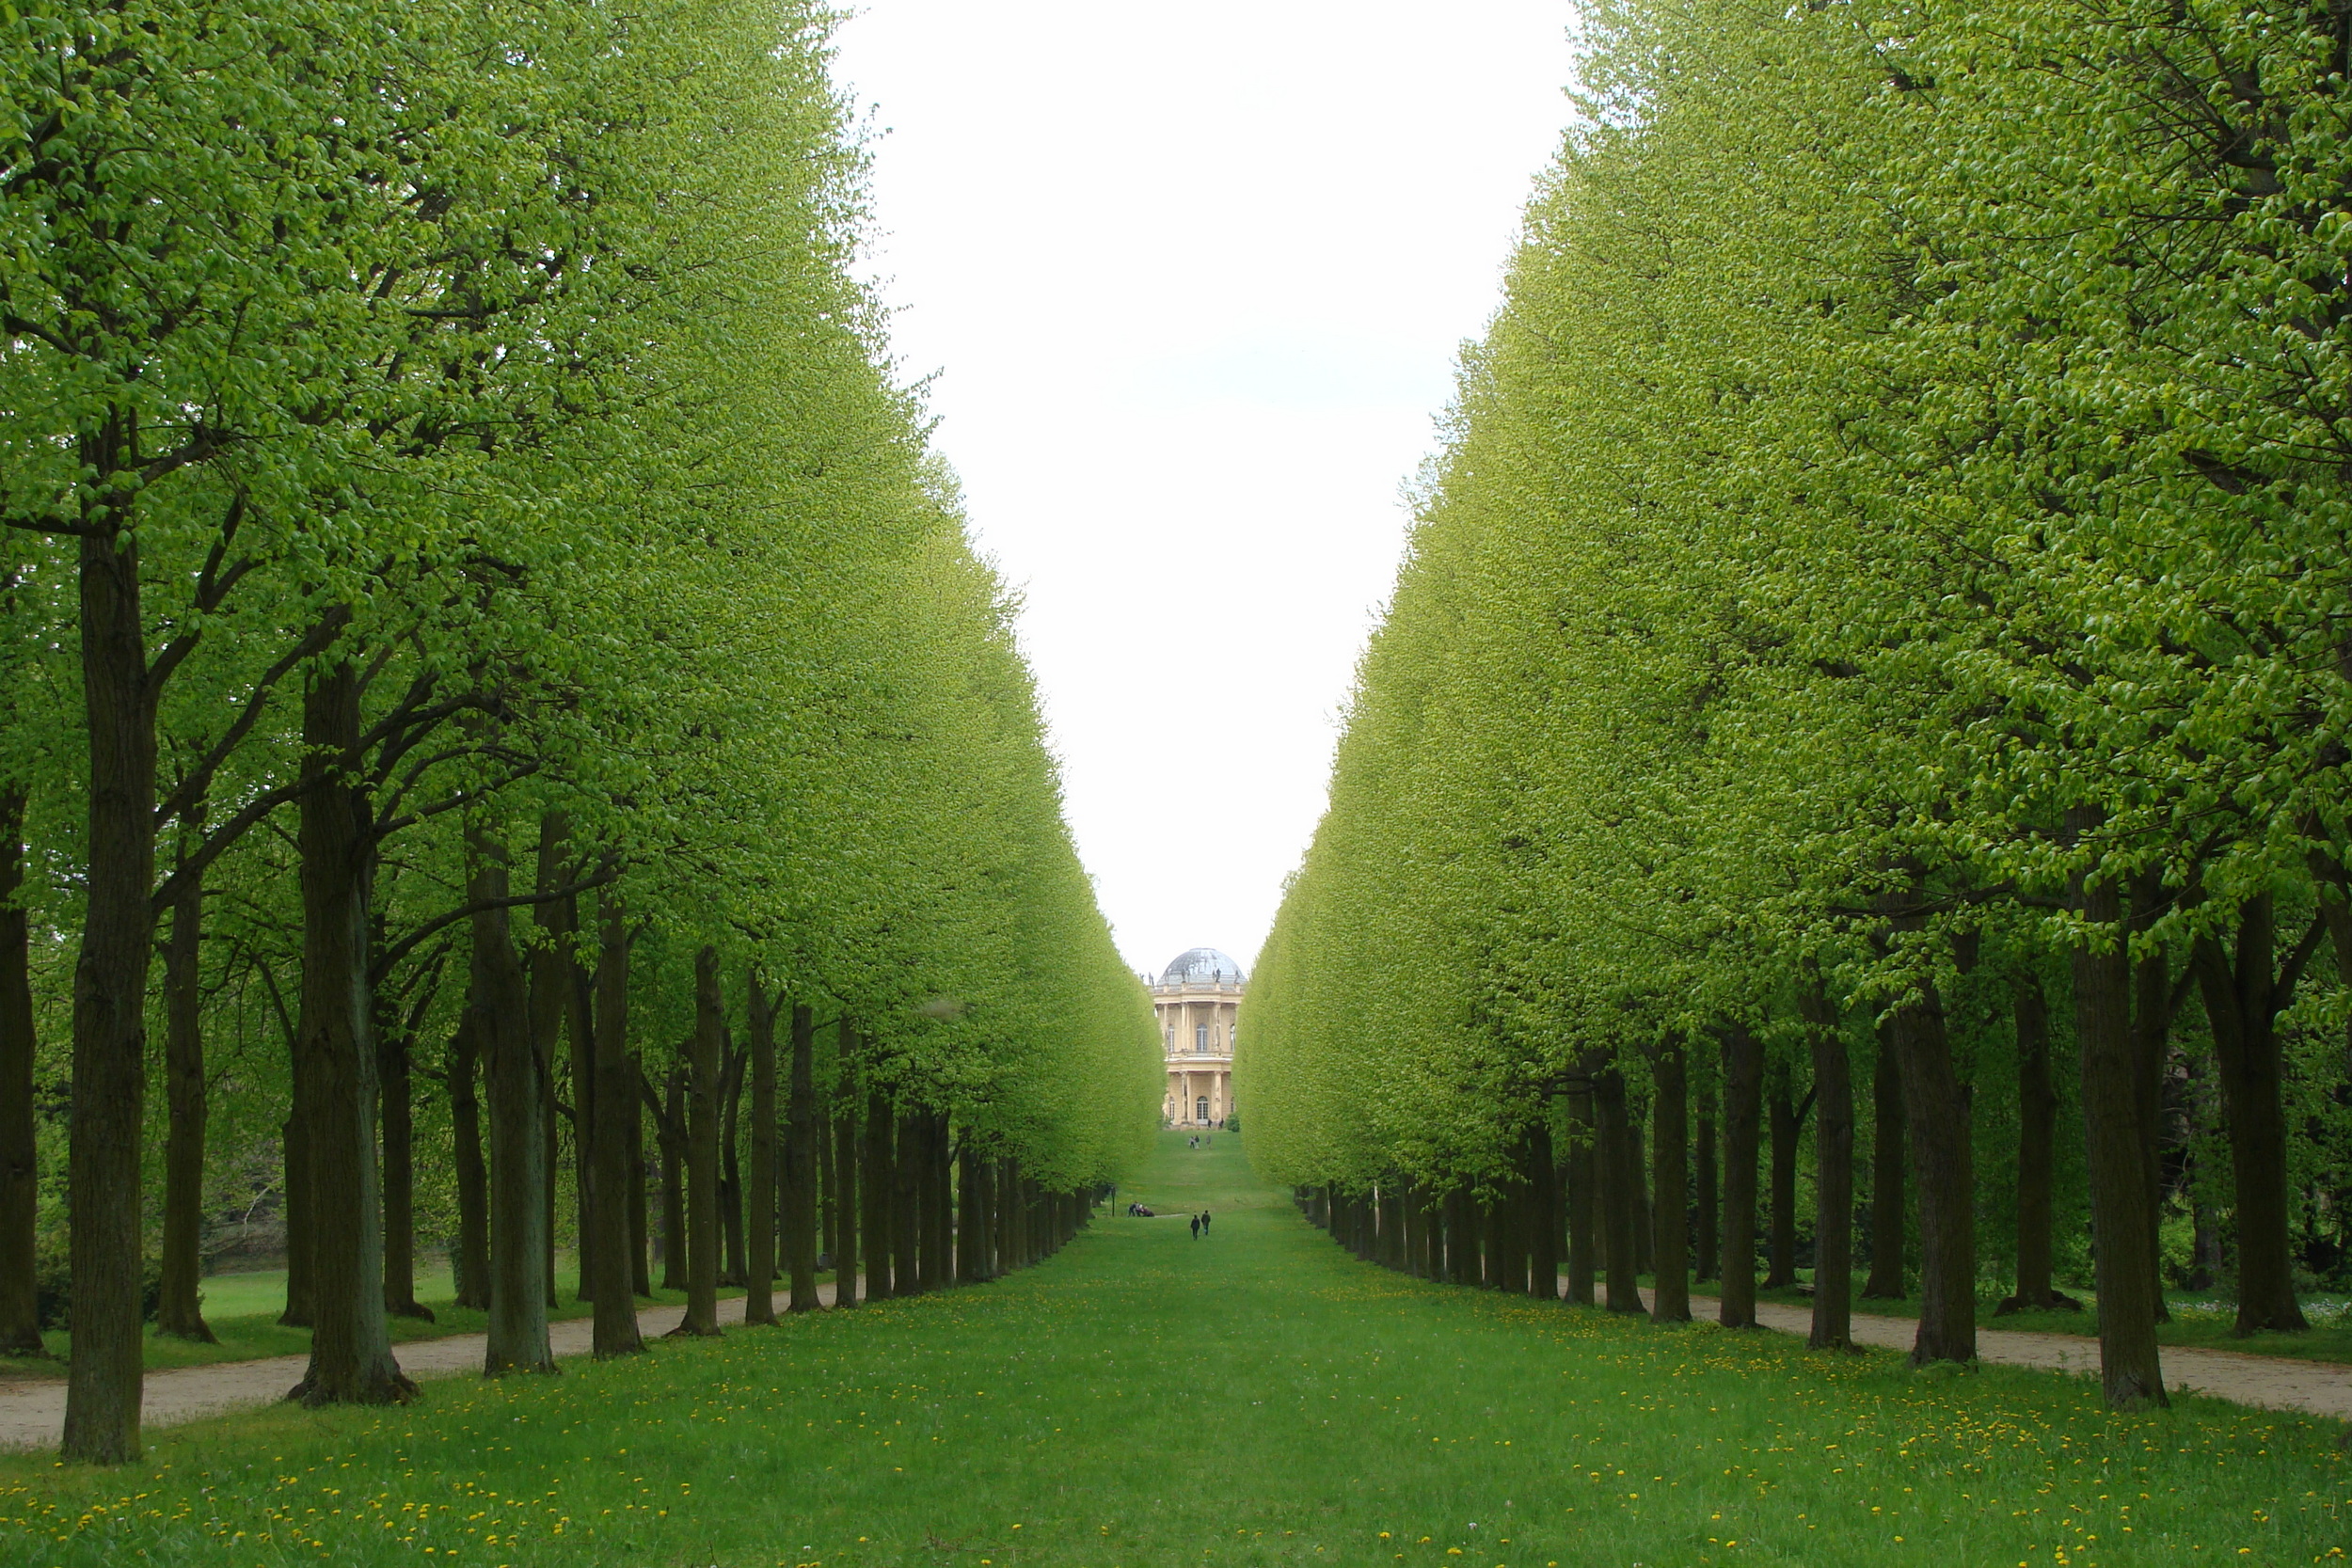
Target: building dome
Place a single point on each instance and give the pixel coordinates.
(1203, 966)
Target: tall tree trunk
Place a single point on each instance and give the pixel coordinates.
(2129, 1368)
(607, 1262)
(579, 1021)
(800, 1181)
(504, 1011)
(1581, 1172)
(672, 1139)
(2243, 1000)
(293, 1162)
(20, 1149)
(1669, 1298)
(971, 1216)
(1707, 1254)
(906, 1207)
(470, 1263)
(1781, 1251)
(1937, 1127)
(393, 1054)
(702, 1152)
(555, 1002)
(938, 1206)
(1832, 1183)
(640, 1221)
(759, 1221)
(737, 1269)
(109, 1103)
(880, 1187)
(1889, 1168)
(845, 1169)
(351, 1347)
(2151, 1050)
(1743, 1096)
(179, 1312)
(2037, 1134)
(1622, 1210)
(1543, 1173)
(1643, 1226)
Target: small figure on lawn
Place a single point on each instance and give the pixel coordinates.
(1204, 1222)
(1195, 1227)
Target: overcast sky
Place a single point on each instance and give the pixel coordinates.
(1192, 279)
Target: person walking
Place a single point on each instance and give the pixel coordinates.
(1204, 1222)
(1195, 1227)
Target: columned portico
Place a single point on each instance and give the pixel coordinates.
(1197, 998)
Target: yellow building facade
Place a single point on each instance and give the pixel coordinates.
(1197, 998)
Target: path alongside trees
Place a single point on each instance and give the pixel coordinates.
(1853, 773)
(504, 739)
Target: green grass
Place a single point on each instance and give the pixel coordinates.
(1257, 1397)
(242, 1309)
(2198, 1319)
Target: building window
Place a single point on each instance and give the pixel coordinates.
(1204, 1108)
(1170, 1033)
(1199, 1040)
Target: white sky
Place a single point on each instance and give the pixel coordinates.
(1193, 278)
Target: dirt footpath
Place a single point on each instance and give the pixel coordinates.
(32, 1414)
(2271, 1382)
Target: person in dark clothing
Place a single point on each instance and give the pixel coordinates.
(1204, 1222)
(1195, 1227)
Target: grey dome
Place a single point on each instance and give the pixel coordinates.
(1202, 966)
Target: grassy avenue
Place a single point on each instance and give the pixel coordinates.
(1256, 1397)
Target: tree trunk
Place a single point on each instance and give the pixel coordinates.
(2037, 1136)
(972, 1215)
(759, 1221)
(504, 1012)
(1622, 1210)
(640, 1223)
(400, 1177)
(1781, 1251)
(939, 1206)
(800, 1197)
(293, 1163)
(20, 1149)
(1709, 1253)
(2242, 1002)
(672, 1139)
(2129, 1367)
(1889, 1165)
(1743, 1094)
(469, 1264)
(906, 1207)
(1581, 1173)
(881, 1189)
(177, 1311)
(1543, 1215)
(579, 1021)
(351, 1347)
(736, 1269)
(844, 1170)
(2151, 1048)
(1669, 1298)
(109, 1102)
(607, 1262)
(1833, 1181)
(1937, 1127)
(702, 1152)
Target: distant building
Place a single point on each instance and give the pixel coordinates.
(1197, 997)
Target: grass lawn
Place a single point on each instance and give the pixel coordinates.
(1256, 1397)
(2200, 1319)
(242, 1309)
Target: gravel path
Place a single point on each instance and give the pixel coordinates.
(32, 1413)
(2271, 1382)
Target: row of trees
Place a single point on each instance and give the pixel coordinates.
(472, 576)
(1883, 601)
